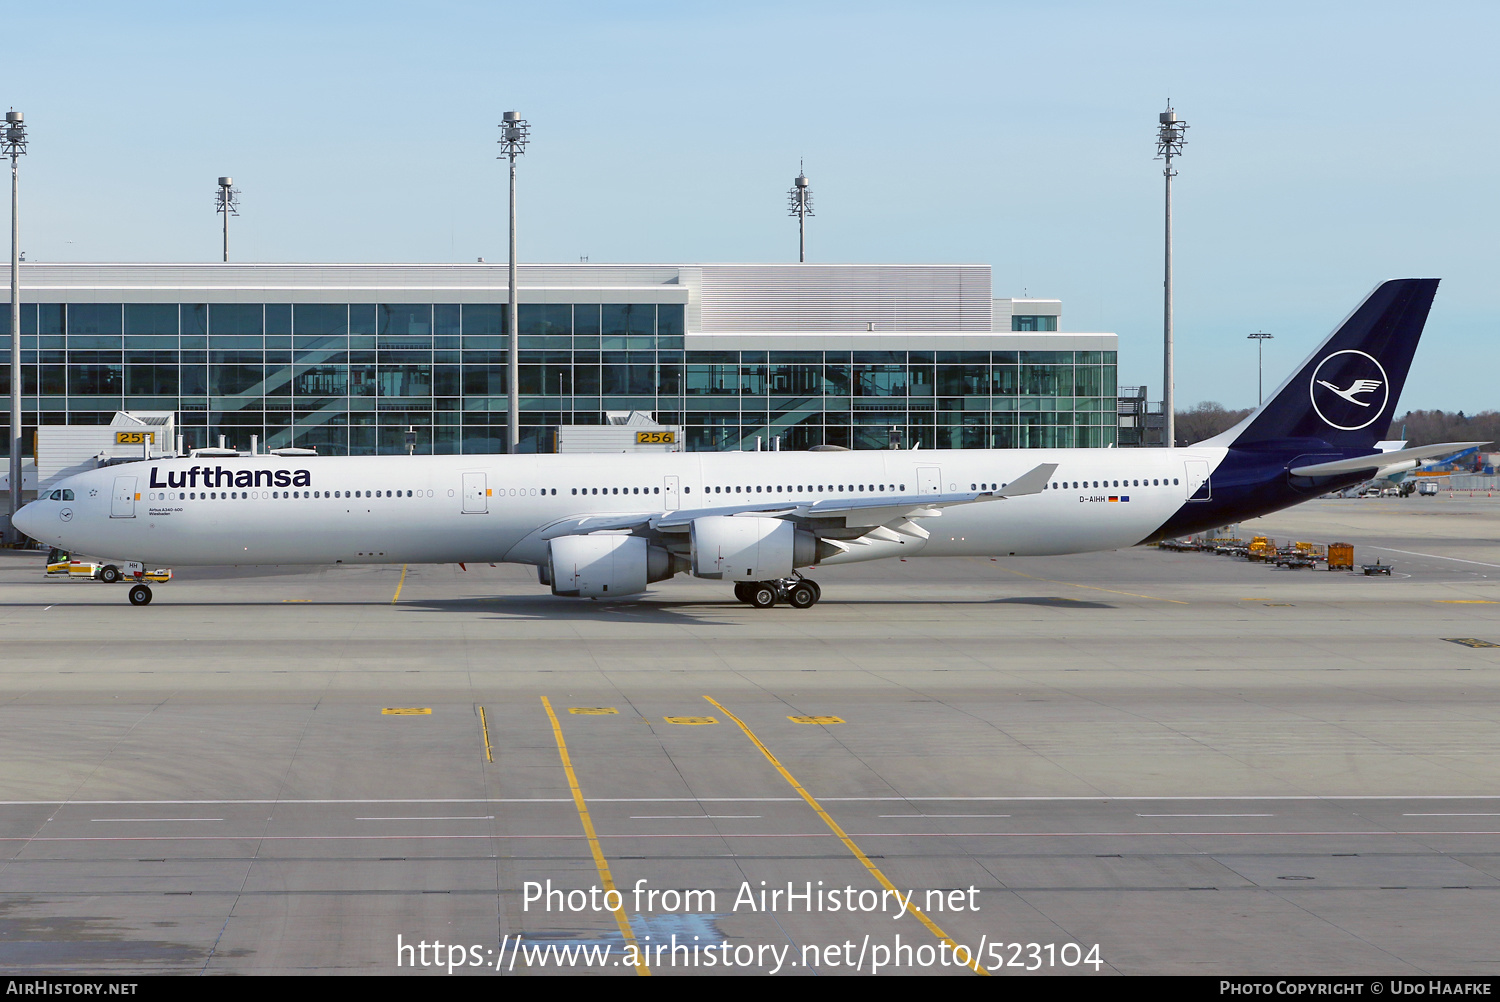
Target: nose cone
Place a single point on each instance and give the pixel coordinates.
(29, 519)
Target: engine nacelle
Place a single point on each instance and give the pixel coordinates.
(749, 548)
(604, 566)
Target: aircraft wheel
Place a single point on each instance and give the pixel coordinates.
(109, 574)
(802, 595)
(817, 591)
(762, 594)
(140, 595)
(742, 590)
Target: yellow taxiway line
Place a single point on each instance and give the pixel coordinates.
(842, 835)
(600, 863)
(484, 726)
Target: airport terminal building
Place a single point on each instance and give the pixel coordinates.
(345, 358)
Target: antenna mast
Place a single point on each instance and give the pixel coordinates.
(227, 203)
(1171, 136)
(799, 200)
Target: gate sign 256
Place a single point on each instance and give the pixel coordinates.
(655, 438)
(135, 437)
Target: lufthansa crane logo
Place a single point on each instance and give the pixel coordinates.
(1349, 390)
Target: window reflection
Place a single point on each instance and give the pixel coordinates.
(291, 372)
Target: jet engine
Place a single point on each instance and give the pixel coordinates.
(749, 548)
(605, 566)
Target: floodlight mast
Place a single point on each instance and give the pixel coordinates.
(1260, 338)
(799, 200)
(13, 145)
(1171, 137)
(515, 133)
(227, 203)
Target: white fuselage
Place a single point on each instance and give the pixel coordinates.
(444, 509)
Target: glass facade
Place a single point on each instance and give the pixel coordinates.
(1026, 322)
(350, 378)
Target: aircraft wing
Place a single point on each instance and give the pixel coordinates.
(585, 524)
(1383, 459)
(868, 511)
(851, 511)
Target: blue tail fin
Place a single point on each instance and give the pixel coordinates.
(1346, 392)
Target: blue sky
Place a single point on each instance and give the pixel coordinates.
(1332, 145)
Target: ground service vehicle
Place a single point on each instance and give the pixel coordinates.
(61, 563)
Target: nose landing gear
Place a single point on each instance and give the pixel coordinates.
(798, 592)
(140, 594)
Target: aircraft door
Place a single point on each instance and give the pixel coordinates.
(122, 501)
(929, 480)
(1198, 486)
(669, 494)
(476, 494)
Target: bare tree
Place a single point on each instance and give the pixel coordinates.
(1427, 427)
(1209, 418)
(1206, 420)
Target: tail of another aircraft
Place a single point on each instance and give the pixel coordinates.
(1345, 394)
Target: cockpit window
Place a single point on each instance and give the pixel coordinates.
(67, 495)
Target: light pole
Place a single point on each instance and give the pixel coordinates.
(1171, 136)
(514, 135)
(227, 203)
(799, 201)
(13, 145)
(1260, 338)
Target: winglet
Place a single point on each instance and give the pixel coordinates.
(1032, 482)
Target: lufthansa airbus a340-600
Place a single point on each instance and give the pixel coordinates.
(606, 526)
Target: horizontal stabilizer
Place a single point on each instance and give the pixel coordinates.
(1419, 454)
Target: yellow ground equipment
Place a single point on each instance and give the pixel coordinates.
(1317, 551)
(61, 564)
(1298, 555)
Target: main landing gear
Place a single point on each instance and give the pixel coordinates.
(797, 592)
